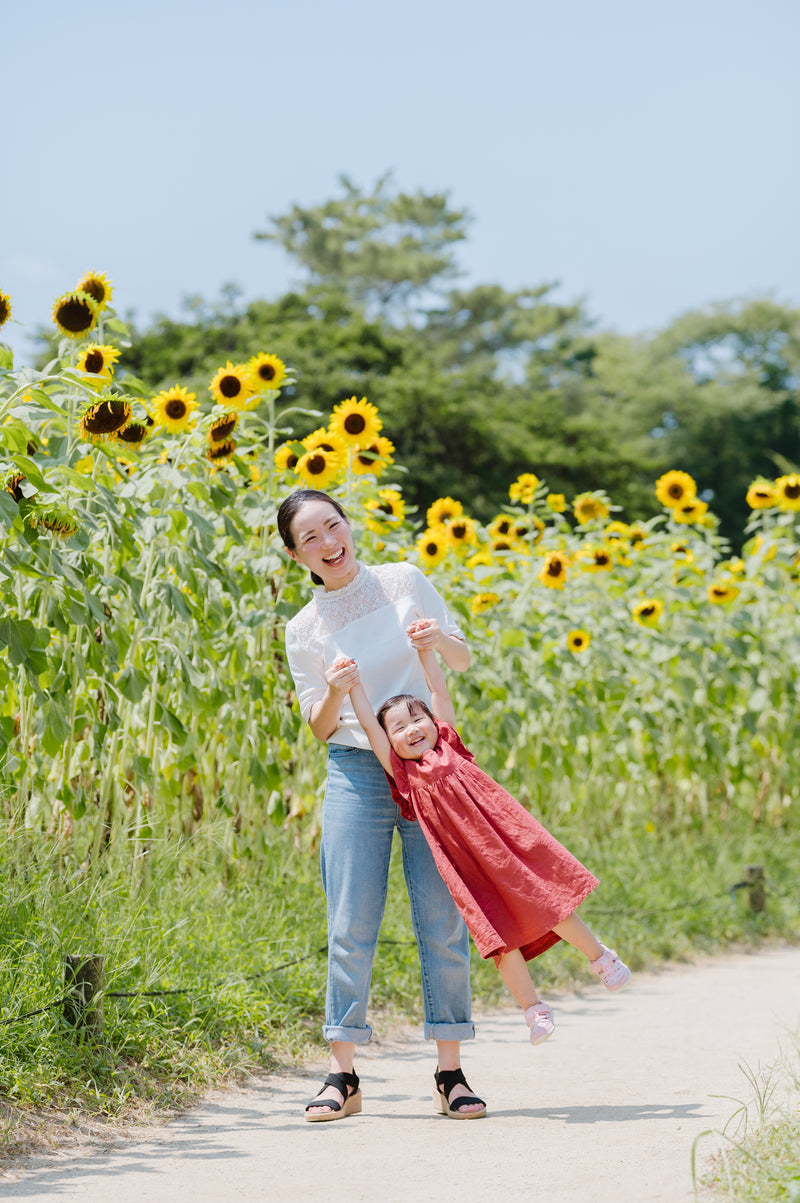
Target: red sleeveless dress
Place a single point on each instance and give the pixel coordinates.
(510, 879)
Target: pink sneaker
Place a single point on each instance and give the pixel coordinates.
(613, 973)
(539, 1019)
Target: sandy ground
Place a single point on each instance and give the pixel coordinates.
(608, 1109)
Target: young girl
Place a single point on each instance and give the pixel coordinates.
(515, 885)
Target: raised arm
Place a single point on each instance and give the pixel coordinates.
(345, 670)
(426, 634)
(441, 703)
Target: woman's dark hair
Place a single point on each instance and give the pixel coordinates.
(288, 509)
(415, 706)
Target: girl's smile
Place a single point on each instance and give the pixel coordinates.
(411, 735)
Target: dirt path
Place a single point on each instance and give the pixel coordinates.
(608, 1109)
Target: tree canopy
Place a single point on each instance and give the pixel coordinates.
(478, 384)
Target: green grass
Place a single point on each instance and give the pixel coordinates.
(759, 1158)
(187, 919)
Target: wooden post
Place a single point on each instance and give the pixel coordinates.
(756, 889)
(83, 984)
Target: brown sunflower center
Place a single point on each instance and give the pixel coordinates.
(107, 417)
(386, 508)
(95, 289)
(647, 611)
(134, 432)
(792, 491)
(221, 450)
(459, 530)
(577, 640)
(431, 548)
(554, 568)
(317, 465)
(601, 557)
(95, 361)
(230, 386)
(675, 490)
(267, 372)
(355, 424)
(5, 310)
(75, 315)
(291, 460)
(222, 430)
(175, 409)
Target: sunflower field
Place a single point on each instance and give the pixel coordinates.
(631, 681)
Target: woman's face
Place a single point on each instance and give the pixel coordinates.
(323, 543)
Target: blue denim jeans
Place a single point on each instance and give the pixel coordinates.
(359, 819)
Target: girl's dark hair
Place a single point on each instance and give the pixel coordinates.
(288, 509)
(415, 706)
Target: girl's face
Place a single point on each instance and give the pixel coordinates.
(323, 543)
(410, 734)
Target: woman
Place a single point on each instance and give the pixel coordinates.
(362, 613)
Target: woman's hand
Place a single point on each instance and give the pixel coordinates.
(342, 675)
(425, 634)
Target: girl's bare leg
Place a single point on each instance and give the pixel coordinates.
(449, 1052)
(341, 1063)
(514, 972)
(575, 932)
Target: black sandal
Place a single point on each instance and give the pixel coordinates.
(344, 1083)
(445, 1080)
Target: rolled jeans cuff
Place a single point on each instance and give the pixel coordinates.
(450, 1031)
(331, 1032)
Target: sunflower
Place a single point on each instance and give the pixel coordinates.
(690, 511)
(443, 510)
(461, 532)
(98, 422)
(481, 559)
(637, 535)
(327, 440)
(596, 559)
(356, 422)
(172, 409)
(374, 458)
(98, 360)
(757, 544)
(532, 529)
(787, 489)
(75, 313)
(266, 371)
(648, 612)
(557, 502)
(387, 509)
(762, 495)
(501, 527)
(318, 468)
(286, 457)
(97, 286)
(554, 570)
(223, 428)
(674, 488)
(482, 602)
(134, 434)
(5, 308)
(523, 488)
(722, 592)
(12, 485)
(682, 551)
(58, 521)
(588, 508)
(616, 532)
(433, 546)
(578, 641)
(220, 453)
(232, 385)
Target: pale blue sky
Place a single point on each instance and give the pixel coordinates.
(644, 155)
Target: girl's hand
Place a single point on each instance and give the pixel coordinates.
(424, 634)
(342, 675)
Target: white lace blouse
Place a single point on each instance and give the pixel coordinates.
(365, 620)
